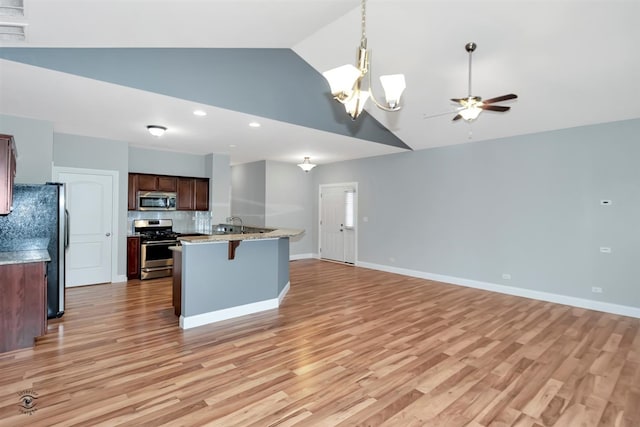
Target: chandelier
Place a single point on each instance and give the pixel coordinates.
(306, 164)
(349, 88)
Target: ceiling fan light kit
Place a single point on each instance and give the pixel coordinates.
(346, 82)
(472, 106)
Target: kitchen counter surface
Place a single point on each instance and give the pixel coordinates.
(24, 257)
(209, 238)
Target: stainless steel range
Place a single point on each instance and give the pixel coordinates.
(156, 236)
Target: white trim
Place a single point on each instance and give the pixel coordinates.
(283, 293)
(606, 307)
(115, 207)
(300, 256)
(227, 313)
(120, 278)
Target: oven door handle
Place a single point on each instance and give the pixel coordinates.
(160, 242)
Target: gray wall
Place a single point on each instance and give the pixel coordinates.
(219, 171)
(34, 142)
(528, 206)
(289, 198)
(84, 152)
(248, 192)
(143, 160)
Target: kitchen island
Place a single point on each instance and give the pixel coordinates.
(232, 274)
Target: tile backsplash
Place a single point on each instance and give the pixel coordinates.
(183, 221)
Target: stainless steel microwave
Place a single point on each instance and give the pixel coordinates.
(156, 201)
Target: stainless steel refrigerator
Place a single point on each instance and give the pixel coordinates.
(39, 220)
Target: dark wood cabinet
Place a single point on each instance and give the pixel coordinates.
(133, 257)
(192, 193)
(147, 182)
(186, 194)
(133, 192)
(7, 172)
(176, 294)
(202, 194)
(23, 306)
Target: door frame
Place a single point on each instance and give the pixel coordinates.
(115, 205)
(353, 184)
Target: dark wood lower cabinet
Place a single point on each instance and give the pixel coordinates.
(177, 282)
(133, 257)
(23, 306)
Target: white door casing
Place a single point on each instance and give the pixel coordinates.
(337, 241)
(90, 202)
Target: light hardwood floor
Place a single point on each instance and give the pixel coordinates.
(349, 346)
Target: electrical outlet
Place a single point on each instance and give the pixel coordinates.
(506, 276)
(596, 290)
(605, 250)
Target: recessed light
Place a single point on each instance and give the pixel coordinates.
(232, 145)
(199, 113)
(254, 124)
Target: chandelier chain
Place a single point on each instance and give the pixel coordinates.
(363, 37)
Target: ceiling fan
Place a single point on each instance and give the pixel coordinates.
(471, 106)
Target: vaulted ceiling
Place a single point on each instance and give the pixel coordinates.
(143, 62)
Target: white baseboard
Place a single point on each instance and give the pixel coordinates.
(300, 256)
(119, 279)
(606, 307)
(283, 293)
(227, 313)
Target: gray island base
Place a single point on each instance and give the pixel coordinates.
(219, 285)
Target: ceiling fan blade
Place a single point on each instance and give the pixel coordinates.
(457, 100)
(457, 117)
(500, 98)
(495, 108)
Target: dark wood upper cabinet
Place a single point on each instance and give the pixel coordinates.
(133, 192)
(202, 194)
(192, 193)
(147, 182)
(7, 172)
(186, 194)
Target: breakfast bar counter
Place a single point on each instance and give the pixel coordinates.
(232, 274)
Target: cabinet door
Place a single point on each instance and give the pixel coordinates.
(147, 182)
(202, 194)
(7, 173)
(186, 194)
(133, 258)
(23, 306)
(167, 183)
(133, 191)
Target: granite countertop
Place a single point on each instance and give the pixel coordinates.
(209, 238)
(24, 257)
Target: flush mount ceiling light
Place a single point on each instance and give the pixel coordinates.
(156, 130)
(346, 82)
(200, 113)
(254, 124)
(306, 165)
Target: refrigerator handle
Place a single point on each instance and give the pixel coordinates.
(66, 229)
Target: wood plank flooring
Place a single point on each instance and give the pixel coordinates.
(349, 346)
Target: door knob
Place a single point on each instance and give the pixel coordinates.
(108, 234)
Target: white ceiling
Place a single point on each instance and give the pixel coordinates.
(572, 63)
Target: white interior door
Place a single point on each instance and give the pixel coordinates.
(90, 206)
(337, 223)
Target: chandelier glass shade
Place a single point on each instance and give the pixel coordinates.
(349, 87)
(306, 164)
